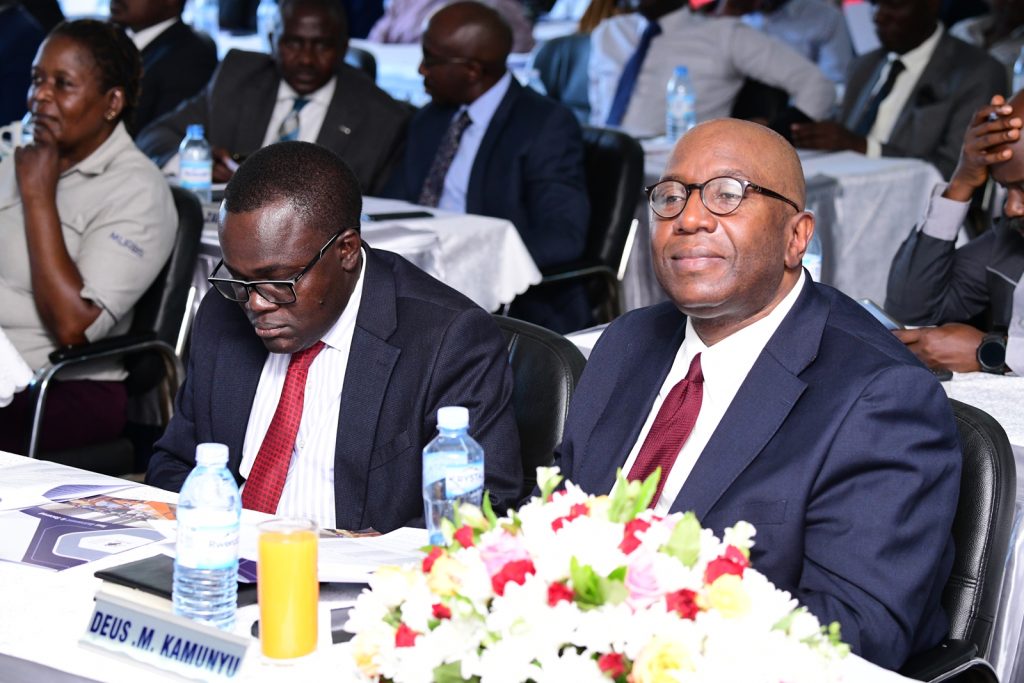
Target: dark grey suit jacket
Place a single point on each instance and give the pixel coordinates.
(958, 80)
(364, 125)
(418, 345)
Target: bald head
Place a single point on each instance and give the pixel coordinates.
(475, 31)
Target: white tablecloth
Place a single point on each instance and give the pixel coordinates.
(864, 209)
(1003, 398)
(482, 257)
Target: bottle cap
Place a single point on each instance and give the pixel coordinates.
(195, 130)
(682, 71)
(211, 454)
(452, 417)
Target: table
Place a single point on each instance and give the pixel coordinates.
(482, 257)
(53, 608)
(1002, 398)
(864, 209)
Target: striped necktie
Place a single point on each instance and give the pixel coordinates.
(289, 129)
(430, 194)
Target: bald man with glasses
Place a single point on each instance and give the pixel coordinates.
(763, 396)
(322, 362)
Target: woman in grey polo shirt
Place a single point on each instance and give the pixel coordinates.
(86, 221)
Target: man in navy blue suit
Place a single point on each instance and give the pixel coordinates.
(799, 413)
(518, 155)
(379, 346)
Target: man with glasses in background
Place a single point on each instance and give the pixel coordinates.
(763, 396)
(322, 362)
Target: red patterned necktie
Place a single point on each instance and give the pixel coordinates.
(266, 480)
(671, 428)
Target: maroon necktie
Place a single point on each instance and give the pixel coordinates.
(671, 428)
(266, 480)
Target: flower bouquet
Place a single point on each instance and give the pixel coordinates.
(575, 588)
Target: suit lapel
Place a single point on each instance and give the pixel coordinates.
(475, 191)
(371, 362)
(760, 407)
(240, 359)
(854, 114)
(252, 126)
(930, 88)
(633, 395)
(344, 118)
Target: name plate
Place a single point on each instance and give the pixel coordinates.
(165, 640)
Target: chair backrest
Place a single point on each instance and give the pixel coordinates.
(981, 528)
(614, 164)
(561, 64)
(545, 369)
(362, 60)
(161, 309)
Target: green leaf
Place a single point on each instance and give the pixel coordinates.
(630, 498)
(488, 510)
(548, 486)
(451, 673)
(684, 543)
(592, 590)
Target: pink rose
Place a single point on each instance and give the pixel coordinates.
(500, 551)
(641, 582)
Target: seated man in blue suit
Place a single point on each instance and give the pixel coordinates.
(769, 398)
(322, 362)
(486, 145)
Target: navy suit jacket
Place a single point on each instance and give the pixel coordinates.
(418, 345)
(839, 447)
(175, 66)
(528, 170)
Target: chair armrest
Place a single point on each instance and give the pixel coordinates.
(574, 270)
(945, 657)
(101, 346)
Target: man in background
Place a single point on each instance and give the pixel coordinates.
(176, 60)
(302, 92)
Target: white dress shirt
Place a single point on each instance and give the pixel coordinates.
(814, 28)
(889, 110)
(481, 111)
(147, 35)
(719, 52)
(311, 117)
(724, 365)
(309, 487)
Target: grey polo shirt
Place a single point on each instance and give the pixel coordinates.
(119, 223)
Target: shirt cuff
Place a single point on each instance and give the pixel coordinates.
(874, 149)
(944, 216)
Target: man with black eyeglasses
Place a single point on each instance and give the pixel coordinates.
(322, 362)
(762, 396)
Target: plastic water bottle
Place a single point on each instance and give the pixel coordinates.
(266, 22)
(453, 470)
(680, 104)
(813, 257)
(206, 16)
(1018, 72)
(206, 550)
(195, 171)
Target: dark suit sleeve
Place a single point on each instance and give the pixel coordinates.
(472, 370)
(932, 282)
(160, 139)
(877, 543)
(556, 194)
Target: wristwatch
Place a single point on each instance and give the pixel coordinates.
(992, 353)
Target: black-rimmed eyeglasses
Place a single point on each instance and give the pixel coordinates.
(430, 61)
(274, 291)
(721, 196)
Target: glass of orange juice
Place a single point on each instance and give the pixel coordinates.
(287, 587)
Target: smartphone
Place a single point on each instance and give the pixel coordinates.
(396, 215)
(880, 315)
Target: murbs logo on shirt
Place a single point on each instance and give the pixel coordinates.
(128, 244)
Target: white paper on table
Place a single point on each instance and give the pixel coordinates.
(15, 374)
(32, 483)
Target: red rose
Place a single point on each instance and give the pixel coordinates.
(611, 664)
(441, 611)
(405, 636)
(736, 556)
(629, 540)
(720, 566)
(428, 561)
(683, 602)
(515, 571)
(577, 510)
(557, 592)
(464, 535)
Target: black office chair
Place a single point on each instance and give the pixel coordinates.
(148, 349)
(561, 64)
(981, 533)
(614, 165)
(545, 369)
(362, 60)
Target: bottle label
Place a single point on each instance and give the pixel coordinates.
(436, 465)
(210, 544)
(462, 479)
(195, 174)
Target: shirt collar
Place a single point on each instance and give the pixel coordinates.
(481, 110)
(322, 96)
(104, 155)
(340, 334)
(915, 60)
(147, 35)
